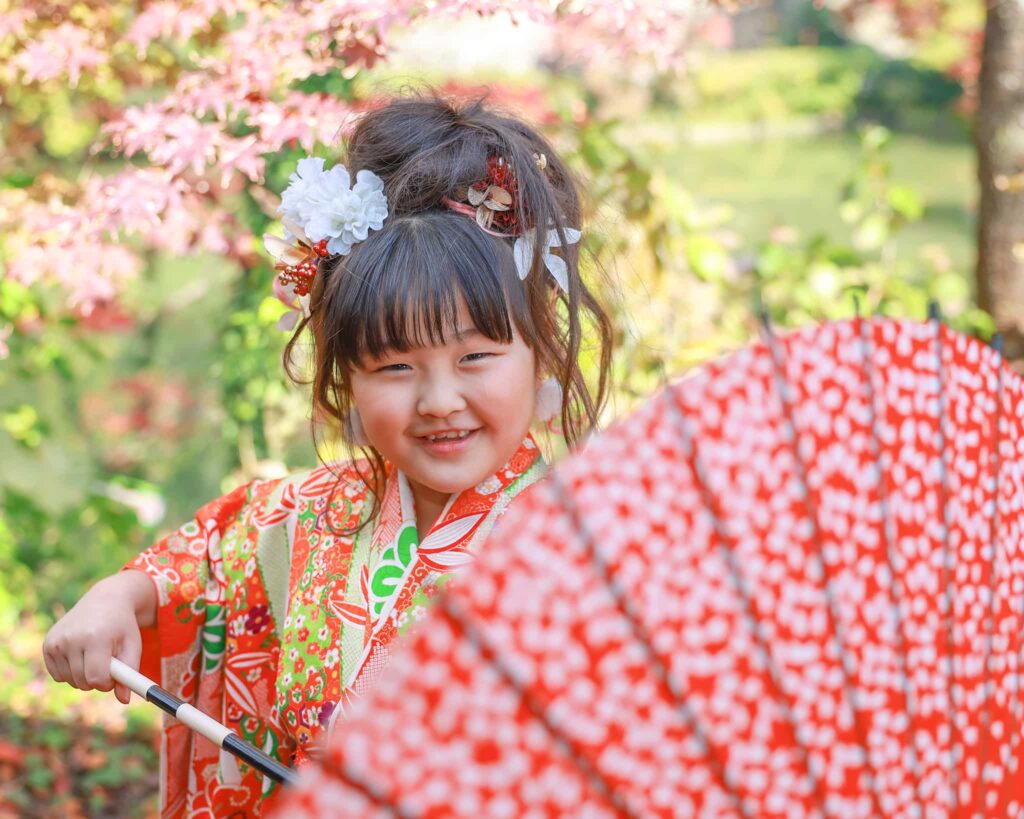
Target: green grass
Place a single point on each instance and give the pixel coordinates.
(776, 83)
(797, 182)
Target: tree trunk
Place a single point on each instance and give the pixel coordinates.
(999, 138)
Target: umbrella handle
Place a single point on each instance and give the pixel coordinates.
(201, 723)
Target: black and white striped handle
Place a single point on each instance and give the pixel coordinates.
(202, 724)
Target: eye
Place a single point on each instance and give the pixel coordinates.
(392, 368)
(477, 356)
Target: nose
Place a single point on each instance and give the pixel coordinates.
(439, 396)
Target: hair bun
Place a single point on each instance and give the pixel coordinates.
(426, 148)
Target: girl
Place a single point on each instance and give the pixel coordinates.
(446, 310)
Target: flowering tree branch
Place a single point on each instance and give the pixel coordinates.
(194, 96)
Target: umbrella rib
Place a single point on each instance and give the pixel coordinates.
(491, 656)
(346, 774)
(728, 552)
(997, 345)
(1015, 708)
(658, 666)
(947, 556)
(867, 355)
(811, 510)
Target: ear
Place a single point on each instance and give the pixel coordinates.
(554, 291)
(539, 372)
(542, 372)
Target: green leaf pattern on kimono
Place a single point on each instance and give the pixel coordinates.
(214, 636)
(395, 562)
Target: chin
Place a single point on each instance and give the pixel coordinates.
(452, 483)
(453, 486)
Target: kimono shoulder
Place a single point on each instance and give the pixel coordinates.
(261, 519)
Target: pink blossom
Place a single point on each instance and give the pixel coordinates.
(5, 333)
(203, 95)
(137, 129)
(29, 264)
(244, 155)
(173, 20)
(98, 272)
(175, 229)
(213, 236)
(231, 106)
(301, 118)
(106, 267)
(165, 20)
(67, 49)
(187, 144)
(134, 199)
(656, 29)
(13, 23)
(175, 140)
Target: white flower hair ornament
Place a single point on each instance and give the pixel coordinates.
(323, 215)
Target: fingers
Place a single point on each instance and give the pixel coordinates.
(130, 654)
(65, 660)
(123, 693)
(80, 658)
(56, 660)
(76, 660)
(96, 666)
(78, 648)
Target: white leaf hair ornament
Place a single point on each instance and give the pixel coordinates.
(492, 201)
(522, 251)
(324, 215)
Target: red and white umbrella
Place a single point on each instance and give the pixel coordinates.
(790, 585)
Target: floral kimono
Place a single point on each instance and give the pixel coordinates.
(270, 619)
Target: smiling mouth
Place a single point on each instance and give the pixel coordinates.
(451, 435)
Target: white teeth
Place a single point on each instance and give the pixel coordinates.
(449, 436)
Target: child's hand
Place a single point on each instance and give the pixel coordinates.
(103, 624)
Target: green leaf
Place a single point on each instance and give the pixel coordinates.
(270, 310)
(707, 258)
(37, 773)
(24, 425)
(872, 233)
(905, 202)
(54, 736)
(771, 260)
(875, 138)
(851, 211)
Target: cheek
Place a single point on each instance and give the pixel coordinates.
(511, 394)
(381, 407)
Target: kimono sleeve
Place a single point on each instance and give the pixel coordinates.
(179, 566)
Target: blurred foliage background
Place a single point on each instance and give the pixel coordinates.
(784, 161)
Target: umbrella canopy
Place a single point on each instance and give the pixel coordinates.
(789, 585)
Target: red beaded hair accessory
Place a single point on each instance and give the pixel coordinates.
(295, 264)
(492, 200)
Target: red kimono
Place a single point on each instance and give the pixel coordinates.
(271, 619)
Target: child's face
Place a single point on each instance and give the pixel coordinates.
(468, 385)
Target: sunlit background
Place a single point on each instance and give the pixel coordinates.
(806, 157)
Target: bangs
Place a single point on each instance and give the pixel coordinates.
(402, 286)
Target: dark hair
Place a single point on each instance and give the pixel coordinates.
(399, 288)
